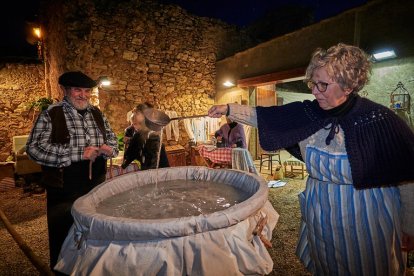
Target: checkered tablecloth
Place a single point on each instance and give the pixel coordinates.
(215, 155)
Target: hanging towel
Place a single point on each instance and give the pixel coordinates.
(200, 129)
(188, 126)
(213, 124)
(173, 125)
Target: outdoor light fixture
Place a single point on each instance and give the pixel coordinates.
(384, 55)
(103, 81)
(38, 34)
(228, 83)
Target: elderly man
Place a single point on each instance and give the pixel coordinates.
(71, 140)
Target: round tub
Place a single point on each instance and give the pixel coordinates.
(220, 243)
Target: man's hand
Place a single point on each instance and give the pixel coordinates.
(90, 153)
(216, 111)
(106, 150)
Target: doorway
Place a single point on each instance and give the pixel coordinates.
(265, 96)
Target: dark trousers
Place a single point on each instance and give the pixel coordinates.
(76, 183)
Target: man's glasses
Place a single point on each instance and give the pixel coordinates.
(321, 86)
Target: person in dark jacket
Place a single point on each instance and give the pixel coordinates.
(144, 143)
(144, 147)
(137, 123)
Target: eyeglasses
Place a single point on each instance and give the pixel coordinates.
(321, 86)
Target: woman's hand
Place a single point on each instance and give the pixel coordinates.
(216, 111)
(126, 139)
(407, 242)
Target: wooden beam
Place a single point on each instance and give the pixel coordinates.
(276, 77)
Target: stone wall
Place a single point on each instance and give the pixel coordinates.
(20, 84)
(151, 52)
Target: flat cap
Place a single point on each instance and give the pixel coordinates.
(76, 79)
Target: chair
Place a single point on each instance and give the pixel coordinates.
(267, 156)
(294, 167)
(23, 166)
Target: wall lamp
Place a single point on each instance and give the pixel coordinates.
(103, 81)
(384, 55)
(228, 83)
(37, 31)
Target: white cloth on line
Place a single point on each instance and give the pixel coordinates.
(199, 128)
(173, 125)
(188, 126)
(213, 124)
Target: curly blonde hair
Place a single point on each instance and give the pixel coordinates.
(347, 65)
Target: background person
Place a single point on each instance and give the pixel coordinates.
(231, 135)
(357, 207)
(137, 123)
(64, 140)
(144, 144)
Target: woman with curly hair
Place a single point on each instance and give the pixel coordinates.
(357, 207)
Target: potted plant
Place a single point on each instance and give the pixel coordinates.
(39, 105)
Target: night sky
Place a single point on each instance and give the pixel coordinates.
(245, 12)
(16, 14)
(13, 17)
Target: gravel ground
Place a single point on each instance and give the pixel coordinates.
(27, 213)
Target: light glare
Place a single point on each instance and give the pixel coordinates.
(37, 32)
(228, 83)
(384, 55)
(105, 82)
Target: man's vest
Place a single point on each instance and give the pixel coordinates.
(60, 132)
(52, 176)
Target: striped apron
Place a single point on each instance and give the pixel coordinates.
(345, 231)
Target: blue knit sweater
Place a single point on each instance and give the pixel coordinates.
(380, 145)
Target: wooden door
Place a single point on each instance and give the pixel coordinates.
(265, 96)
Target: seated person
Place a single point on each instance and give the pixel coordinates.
(231, 135)
(144, 143)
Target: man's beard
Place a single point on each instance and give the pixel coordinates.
(79, 105)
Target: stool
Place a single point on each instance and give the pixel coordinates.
(296, 167)
(269, 158)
